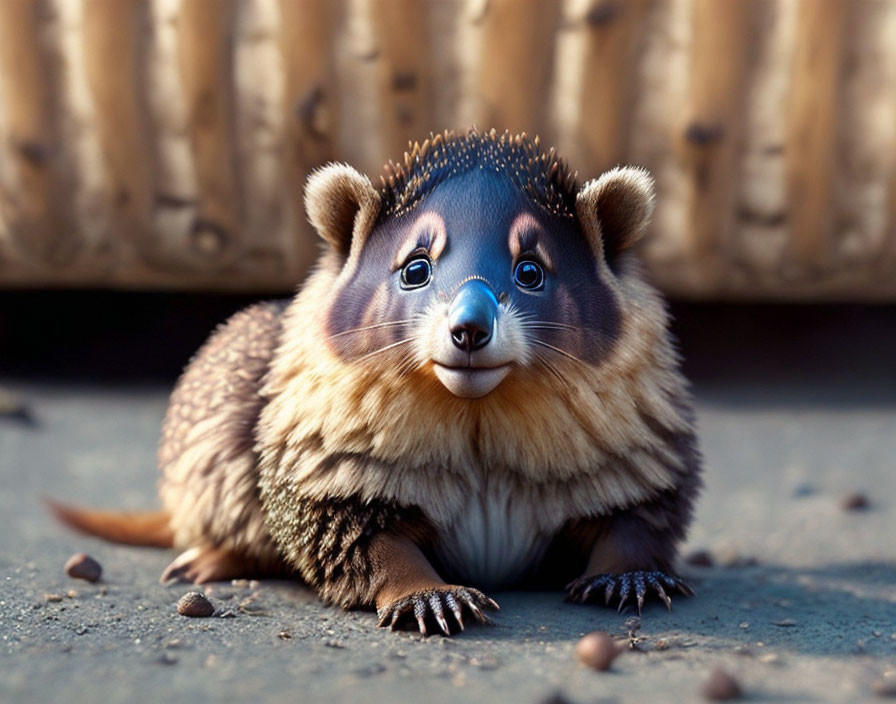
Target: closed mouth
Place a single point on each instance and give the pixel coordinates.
(470, 368)
(470, 381)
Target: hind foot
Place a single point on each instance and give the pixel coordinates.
(642, 582)
(207, 564)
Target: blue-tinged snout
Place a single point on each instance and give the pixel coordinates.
(472, 315)
(470, 354)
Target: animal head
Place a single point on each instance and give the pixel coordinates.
(477, 259)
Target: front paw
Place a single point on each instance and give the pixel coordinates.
(640, 582)
(435, 604)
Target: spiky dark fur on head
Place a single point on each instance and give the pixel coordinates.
(544, 177)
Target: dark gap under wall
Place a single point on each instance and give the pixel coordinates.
(812, 353)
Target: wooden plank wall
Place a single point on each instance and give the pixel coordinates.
(165, 143)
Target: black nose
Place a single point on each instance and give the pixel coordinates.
(470, 337)
(472, 316)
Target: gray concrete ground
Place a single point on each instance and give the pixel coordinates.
(787, 429)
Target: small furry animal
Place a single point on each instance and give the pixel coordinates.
(476, 389)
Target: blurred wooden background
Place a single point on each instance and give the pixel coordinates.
(164, 143)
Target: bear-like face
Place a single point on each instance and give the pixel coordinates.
(477, 283)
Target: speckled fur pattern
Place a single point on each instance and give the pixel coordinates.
(330, 543)
(209, 476)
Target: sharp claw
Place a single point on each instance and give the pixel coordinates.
(492, 603)
(436, 605)
(470, 601)
(624, 590)
(685, 589)
(393, 624)
(609, 591)
(477, 612)
(443, 624)
(662, 594)
(455, 609)
(420, 614)
(640, 590)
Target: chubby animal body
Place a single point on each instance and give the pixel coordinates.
(476, 389)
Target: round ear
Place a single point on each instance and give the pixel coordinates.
(615, 209)
(341, 205)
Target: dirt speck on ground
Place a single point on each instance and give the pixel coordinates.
(721, 686)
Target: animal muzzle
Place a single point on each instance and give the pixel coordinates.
(472, 316)
(472, 364)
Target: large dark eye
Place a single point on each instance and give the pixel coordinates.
(529, 275)
(416, 273)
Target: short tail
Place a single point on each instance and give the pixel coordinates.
(146, 528)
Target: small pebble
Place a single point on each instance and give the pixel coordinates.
(700, 558)
(555, 698)
(52, 597)
(854, 501)
(886, 686)
(195, 605)
(82, 566)
(12, 406)
(800, 491)
(729, 557)
(489, 662)
(785, 622)
(597, 650)
(370, 670)
(721, 686)
(284, 635)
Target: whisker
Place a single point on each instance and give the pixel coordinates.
(550, 367)
(555, 323)
(384, 349)
(406, 366)
(552, 325)
(559, 351)
(373, 327)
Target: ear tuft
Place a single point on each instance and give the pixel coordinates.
(615, 208)
(341, 205)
